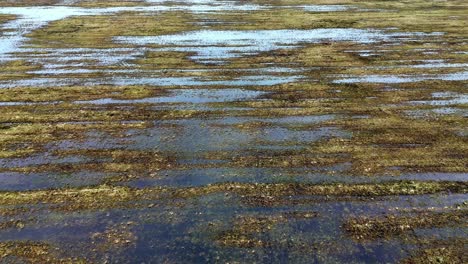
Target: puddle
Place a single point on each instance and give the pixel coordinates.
(163, 81)
(26, 103)
(435, 176)
(13, 181)
(31, 18)
(210, 149)
(280, 134)
(209, 5)
(287, 120)
(200, 177)
(181, 233)
(192, 81)
(425, 64)
(436, 111)
(79, 57)
(220, 45)
(336, 8)
(194, 96)
(214, 47)
(326, 8)
(439, 65)
(190, 137)
(264, 80)
(59, 69)
(40, 159)
(444, 99)
(458, 76)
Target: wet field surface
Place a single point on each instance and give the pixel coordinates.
(202, 131)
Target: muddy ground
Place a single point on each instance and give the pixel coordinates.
(193, 131)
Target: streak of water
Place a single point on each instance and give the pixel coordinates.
(197, 96)
(458, 76)
(31, 18)
(221, 45)
(255, 80)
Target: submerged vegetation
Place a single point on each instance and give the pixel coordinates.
(396, 225)
(200, 131)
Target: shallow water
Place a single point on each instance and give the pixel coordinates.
(445, 99)
(194, 96)
(162, 81)
(31, 18)
(213, 160)
(222, 45)
(326, 8)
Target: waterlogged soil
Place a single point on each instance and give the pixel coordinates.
(201, 131)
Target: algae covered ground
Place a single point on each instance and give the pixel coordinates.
(203, 131)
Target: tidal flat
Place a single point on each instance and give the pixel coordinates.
(203, 131)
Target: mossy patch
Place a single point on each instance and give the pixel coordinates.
(76, 93)
(126, 164)
(105, 196)
(389, 141)
(17, 69)
(32, 252)
(432, 19)
(365, 228)
(451, 251)
(17, 140)
(98, 31)
(247, 230)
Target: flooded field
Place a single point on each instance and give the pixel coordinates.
(203, 131)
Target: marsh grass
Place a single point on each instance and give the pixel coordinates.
(378, 137)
